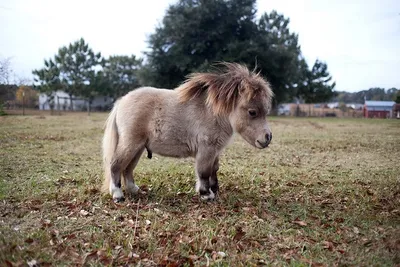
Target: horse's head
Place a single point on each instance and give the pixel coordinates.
(237, 93)
(248, 118)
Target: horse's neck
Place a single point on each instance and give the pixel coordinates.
(225, 125)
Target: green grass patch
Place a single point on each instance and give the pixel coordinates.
(326, 192)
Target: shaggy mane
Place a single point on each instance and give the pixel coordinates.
(224, 87)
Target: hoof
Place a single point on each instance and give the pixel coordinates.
(208, 197)
(119, 199)
(132, 189)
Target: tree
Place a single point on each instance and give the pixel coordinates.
(194, 34)
(121, 75)
(98, 85)
(397, 98)
(77, 62)
(48, 80)
(279, 55)
(5, 71)
(316, 83)
(72, 70)
(375, 93)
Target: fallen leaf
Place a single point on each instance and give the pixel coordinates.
(157, 210)
(133, 255)
(356, 230)
(341, 251)
(327, 245)
(84, 213)
(29, 240)
(239, 234)
(46, 223)
(221, 254)
(119, 218)
(339, 220)
(193, 257)
(89, 255)
(301, 223)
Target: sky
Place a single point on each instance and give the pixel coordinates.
(359, 40)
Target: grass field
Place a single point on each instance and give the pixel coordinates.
(325, 193)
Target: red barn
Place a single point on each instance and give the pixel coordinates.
(378, 109)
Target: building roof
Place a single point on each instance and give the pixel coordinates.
(380, 103)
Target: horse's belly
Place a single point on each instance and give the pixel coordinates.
(171, 149)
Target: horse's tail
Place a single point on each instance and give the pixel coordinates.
(110, 141)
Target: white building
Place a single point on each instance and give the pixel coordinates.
(61, 101)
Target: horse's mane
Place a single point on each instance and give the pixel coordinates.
(224, 87)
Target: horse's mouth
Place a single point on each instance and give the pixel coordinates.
(262, 145)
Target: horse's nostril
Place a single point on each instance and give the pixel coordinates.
(268, 137)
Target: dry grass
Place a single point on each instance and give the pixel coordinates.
(326, 192)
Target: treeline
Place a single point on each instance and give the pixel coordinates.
(193, 35)
(80, 72)
(378, 94)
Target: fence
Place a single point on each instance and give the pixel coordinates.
(315, 110)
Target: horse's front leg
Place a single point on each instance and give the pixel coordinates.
(213, 178)
(204, 169)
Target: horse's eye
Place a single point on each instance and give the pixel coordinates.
(252, 113)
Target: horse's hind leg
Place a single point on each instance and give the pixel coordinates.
(122, 157)
(130, 186)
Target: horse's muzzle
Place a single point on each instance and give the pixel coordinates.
(268, 139)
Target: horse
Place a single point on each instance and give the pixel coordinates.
(196, 119)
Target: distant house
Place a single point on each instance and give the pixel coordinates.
(284, 109)
(333, 105)
(355, 106)
(60, 100)
(378, 109)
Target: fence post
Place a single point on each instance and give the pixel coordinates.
(58, 105)
(23, 103)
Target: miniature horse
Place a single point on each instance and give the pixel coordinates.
(197, 119)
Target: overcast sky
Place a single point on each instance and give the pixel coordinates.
(359, 40)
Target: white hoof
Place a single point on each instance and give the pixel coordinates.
(117, 193)
(210, 196)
